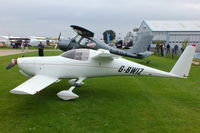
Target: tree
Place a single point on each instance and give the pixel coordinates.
(158, 43)
(184, 44)
(111, 33)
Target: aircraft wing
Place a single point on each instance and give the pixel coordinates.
(34, 85)
(105, 55)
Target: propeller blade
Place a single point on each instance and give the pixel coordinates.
(59, 36)
(12, 64)
(58, 41)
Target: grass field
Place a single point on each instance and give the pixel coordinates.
(106, 105)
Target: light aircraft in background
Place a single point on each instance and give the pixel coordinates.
(80, 64)
(86, 39)
(33, 41)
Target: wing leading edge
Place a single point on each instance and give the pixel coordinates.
(34, 85)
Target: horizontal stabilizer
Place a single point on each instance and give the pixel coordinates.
(144, 54)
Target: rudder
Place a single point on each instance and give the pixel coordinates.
(182, 66)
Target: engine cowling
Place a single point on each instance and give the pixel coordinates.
(66, 45)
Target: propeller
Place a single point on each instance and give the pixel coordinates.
(12, 64)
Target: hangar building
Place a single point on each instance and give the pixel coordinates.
(173, 32)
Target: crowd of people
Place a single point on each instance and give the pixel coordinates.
(125, 45)
(24, 44)
(167, 49)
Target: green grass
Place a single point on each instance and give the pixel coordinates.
(106, 105)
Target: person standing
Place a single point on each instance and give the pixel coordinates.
(41, 49)
(26, 43)
(149, 47)
(17, 44)
(175, 49)
(22, 46)
(168, 48)
(162, 47)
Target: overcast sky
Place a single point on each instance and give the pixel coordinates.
(49, 17)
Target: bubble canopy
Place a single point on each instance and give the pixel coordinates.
(82, 31)
(77, 54)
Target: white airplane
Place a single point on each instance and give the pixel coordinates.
(79, 64)
(34, 41)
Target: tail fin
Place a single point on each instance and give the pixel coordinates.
(182, 66)
(142, 43)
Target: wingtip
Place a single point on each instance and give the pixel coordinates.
(20, 92)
